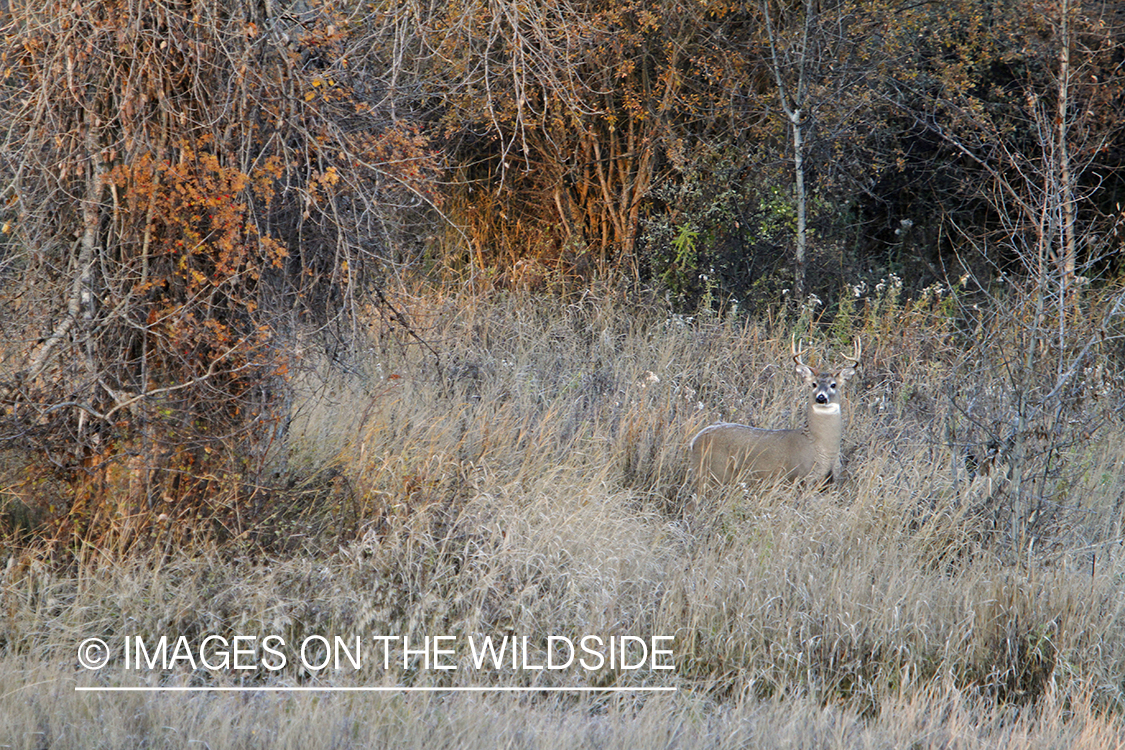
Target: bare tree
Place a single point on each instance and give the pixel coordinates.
(793, 98)
(1031, 151)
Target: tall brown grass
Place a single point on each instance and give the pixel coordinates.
(531, 480)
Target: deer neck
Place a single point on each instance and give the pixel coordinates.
(824, 427)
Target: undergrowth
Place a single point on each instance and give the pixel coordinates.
(531, 480)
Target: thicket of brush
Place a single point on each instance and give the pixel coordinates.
(525, 473)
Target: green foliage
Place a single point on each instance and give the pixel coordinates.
(777, 215)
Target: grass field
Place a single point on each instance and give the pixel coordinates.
(531, 480)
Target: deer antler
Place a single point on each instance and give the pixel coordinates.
(796, 354)
(853, 361)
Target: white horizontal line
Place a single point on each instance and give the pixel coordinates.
(375, 689)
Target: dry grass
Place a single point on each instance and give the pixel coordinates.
(532, 483)
(42, 710)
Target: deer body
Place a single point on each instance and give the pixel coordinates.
(726, 451)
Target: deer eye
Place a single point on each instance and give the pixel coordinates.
(833, 385)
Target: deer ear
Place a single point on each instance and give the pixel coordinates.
(846, 373)
(804, 371)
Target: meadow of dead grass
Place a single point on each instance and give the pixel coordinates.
(531, 480)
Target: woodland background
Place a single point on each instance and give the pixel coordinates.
(391, 287)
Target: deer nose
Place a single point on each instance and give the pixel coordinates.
(821, 398)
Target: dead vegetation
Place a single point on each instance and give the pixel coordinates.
(533, 482)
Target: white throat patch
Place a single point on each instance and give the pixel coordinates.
(826, 408)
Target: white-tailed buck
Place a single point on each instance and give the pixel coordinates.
(726, 451)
